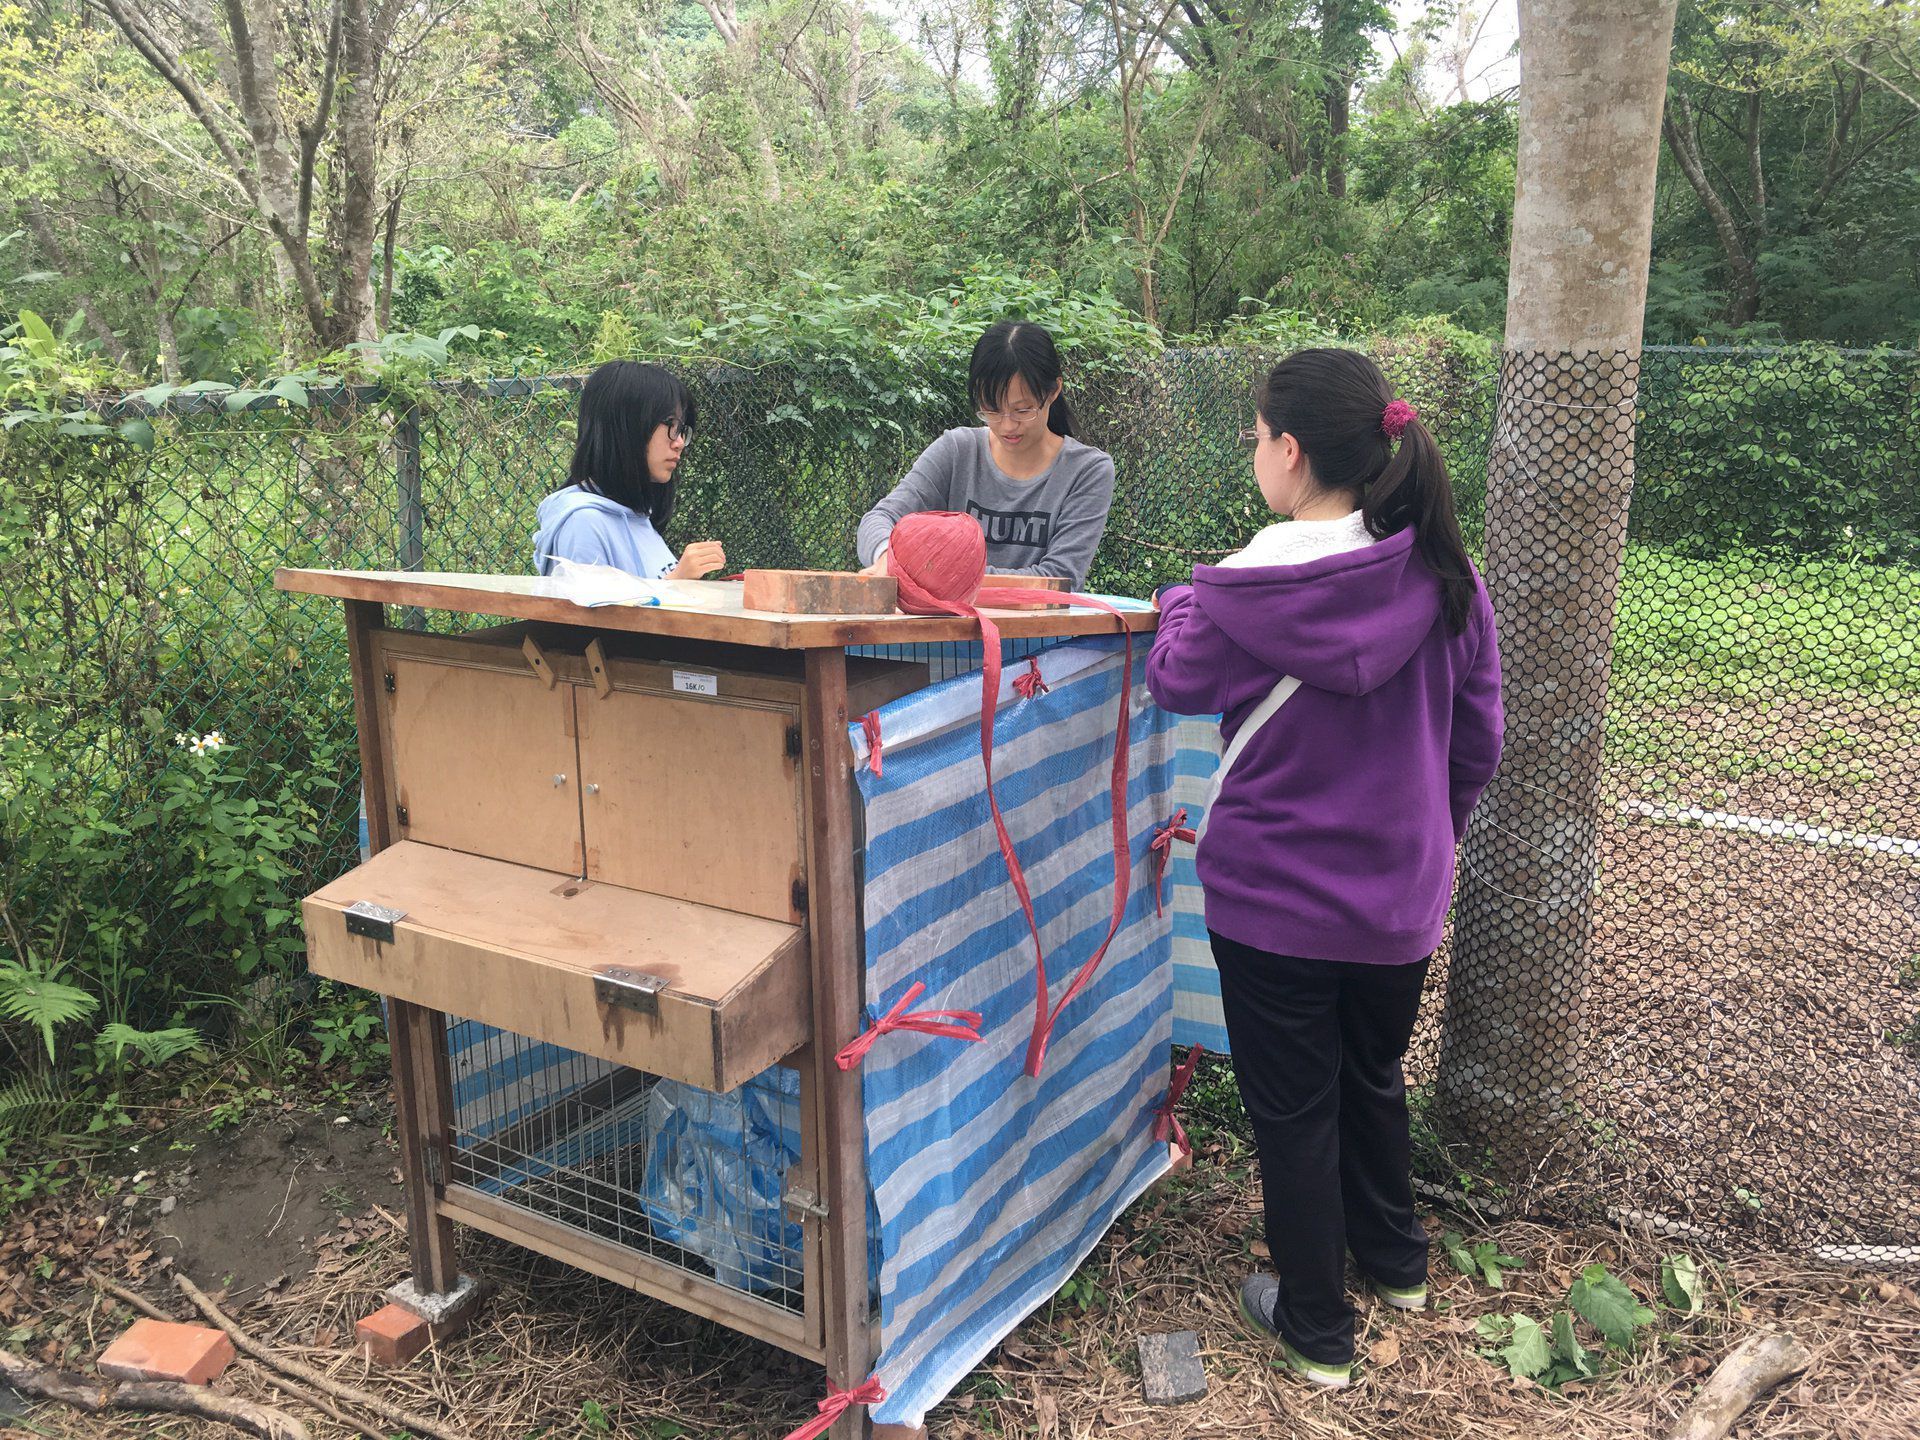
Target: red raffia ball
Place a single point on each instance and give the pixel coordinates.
(939, 558)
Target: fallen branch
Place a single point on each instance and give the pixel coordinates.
(1751, 1369)
(126, 1297)
(94, 1396)
(321, 1403)
(326, 1384)
(279, 1382)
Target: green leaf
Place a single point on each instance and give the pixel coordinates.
(1680, 1282)
(137, 432)
(1458, 1255)
(1489, 1263)
(157, 395)
(1568, 1351)
(79, 426)
(39, 334)
(289, 389)
(1527, 1353)
(42, 1003)
(35, 277)
(1607, 1305)
(156, 1047)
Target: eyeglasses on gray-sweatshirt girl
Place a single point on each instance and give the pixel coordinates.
(1040, 495)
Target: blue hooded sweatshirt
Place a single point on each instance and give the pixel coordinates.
(577, 524)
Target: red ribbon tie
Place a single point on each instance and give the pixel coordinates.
(870, 724)
(1032, 683)
(954, 1024)
(1163, 838)
(1165, 1122)
(838, 1402)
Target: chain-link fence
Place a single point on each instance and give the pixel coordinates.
(1737, 1049)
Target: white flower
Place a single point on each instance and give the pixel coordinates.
(182, 740)
(200, 746)
(185, 528)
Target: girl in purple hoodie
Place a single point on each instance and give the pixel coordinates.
(1350, 652)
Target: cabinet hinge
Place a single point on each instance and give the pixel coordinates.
(400, 812)
(436, 1167)
(799, 897)
(387, 681)
(793, 742)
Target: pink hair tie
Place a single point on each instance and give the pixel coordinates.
(1397, 416)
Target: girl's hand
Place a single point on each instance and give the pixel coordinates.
(701, 558)
(879, 566)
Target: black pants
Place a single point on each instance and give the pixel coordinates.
(1316, 1049)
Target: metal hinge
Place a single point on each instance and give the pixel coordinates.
(799, 897)
(629, 989)
(436, 1167)
(376, 922)
(400, 813)
(793, 742)
(387, 680)
(805, 1201)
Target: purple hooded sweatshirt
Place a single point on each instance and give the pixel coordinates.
(1333, 835)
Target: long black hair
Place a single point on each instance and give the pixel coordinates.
(1334, 403)
(621, 405)
(1017, 348)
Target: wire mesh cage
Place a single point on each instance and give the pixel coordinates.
(695, 1180)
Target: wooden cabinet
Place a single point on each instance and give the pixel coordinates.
(603, 849)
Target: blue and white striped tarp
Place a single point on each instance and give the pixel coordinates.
(1197, 1019)
(990, 1187)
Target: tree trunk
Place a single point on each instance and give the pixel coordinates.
(1338, 99)
(1559, 476)
(1682, 129)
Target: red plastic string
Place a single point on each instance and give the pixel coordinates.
(939, 558)
(870, 725)
(954, 1024)
(1032, 683)
(1165, 1121)
(837, 1403)
(1163, 838)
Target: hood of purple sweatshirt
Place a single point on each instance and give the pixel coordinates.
(1346, 623)
(1332, 836)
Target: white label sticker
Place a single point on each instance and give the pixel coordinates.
(692, 682)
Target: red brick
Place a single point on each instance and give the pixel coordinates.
(899, 1432)
(392, 1335)
(162, 1350)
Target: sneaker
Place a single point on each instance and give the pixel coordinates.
(1257, 1296)
(1400, 1297)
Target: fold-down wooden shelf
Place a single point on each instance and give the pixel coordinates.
(709, 996)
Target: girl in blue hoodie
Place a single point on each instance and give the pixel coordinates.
(635, 423)
(1350, 652)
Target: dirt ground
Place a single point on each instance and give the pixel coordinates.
(557, 1353)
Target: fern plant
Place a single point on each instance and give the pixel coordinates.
(41, 1002)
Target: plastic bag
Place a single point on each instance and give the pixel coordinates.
(716, 1167)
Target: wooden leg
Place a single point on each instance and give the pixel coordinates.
(833, 929)
(422, 1088)
(422, 1105)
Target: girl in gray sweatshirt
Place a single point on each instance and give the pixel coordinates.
(1041, 496)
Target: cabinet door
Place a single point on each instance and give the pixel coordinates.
(485, 761)
(692, 798)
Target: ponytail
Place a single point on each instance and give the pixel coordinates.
(1060, 418)
(1359, 439)
(1414, 490)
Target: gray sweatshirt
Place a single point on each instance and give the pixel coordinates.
(1049, 525)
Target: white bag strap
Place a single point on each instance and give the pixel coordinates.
(1262, 713)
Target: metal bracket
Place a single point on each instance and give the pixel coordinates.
(805, 1201)
(629, 989)
(376, 922)
(436, 1167)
